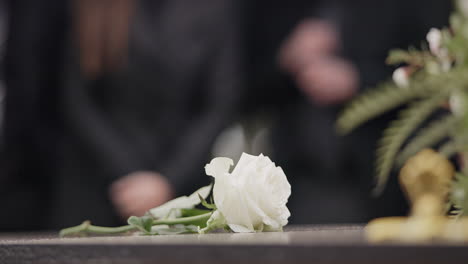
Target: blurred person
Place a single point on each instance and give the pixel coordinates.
(296, 72)
(112, 106)
(307, 58)
(311, 56)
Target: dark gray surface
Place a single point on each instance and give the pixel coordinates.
(298, 244)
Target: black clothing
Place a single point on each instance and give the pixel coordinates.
(160, 113)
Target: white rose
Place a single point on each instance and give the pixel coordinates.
(253, 197)
(401, 78)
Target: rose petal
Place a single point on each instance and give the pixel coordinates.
(240, 229)
(218, 167)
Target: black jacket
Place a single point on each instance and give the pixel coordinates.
(161, 112)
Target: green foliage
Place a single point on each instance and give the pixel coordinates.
(190, 221)
(411, 57)
(178, 216)
(398, 131)
(427, 137)
(193, 212)
(373, 103)
(207, 205)
(434, 76)
(448, 149)
(386, 97)
(216, 221)
(143, 223)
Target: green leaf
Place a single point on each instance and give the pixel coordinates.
(206, 204)
(456, 22)
(388, 96)
(216, 221)
(412, 57)
(194, 220)
(377, 101)
(427, 137)
(143, 223)
(457, 46)
(193, 212)
(172, 208)
(448, 149)
(398, 131)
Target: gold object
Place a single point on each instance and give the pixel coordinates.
(427, 174)
(425, 179)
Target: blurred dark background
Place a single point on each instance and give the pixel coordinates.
(112, 107)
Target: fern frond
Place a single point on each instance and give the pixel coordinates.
(427, 137)
(398, 131)
(412, 57)
(387, 96)
(448, 149)
(373, 103)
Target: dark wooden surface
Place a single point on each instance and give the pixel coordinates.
(298, 244)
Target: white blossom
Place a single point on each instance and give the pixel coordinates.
(253, 197)
(457, 104)
(434, 38)
(401, 77)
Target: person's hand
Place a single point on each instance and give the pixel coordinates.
(309, 55)
(138, 192)
(328, 81)
(310, 40)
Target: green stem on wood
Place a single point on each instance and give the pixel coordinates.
(183, 220)
(87, 228)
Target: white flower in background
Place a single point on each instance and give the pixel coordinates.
(253, 197)
(435, 39)
(457, 104)
(463, 7)
(401, 77)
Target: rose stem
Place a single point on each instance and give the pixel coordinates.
(86, 226)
